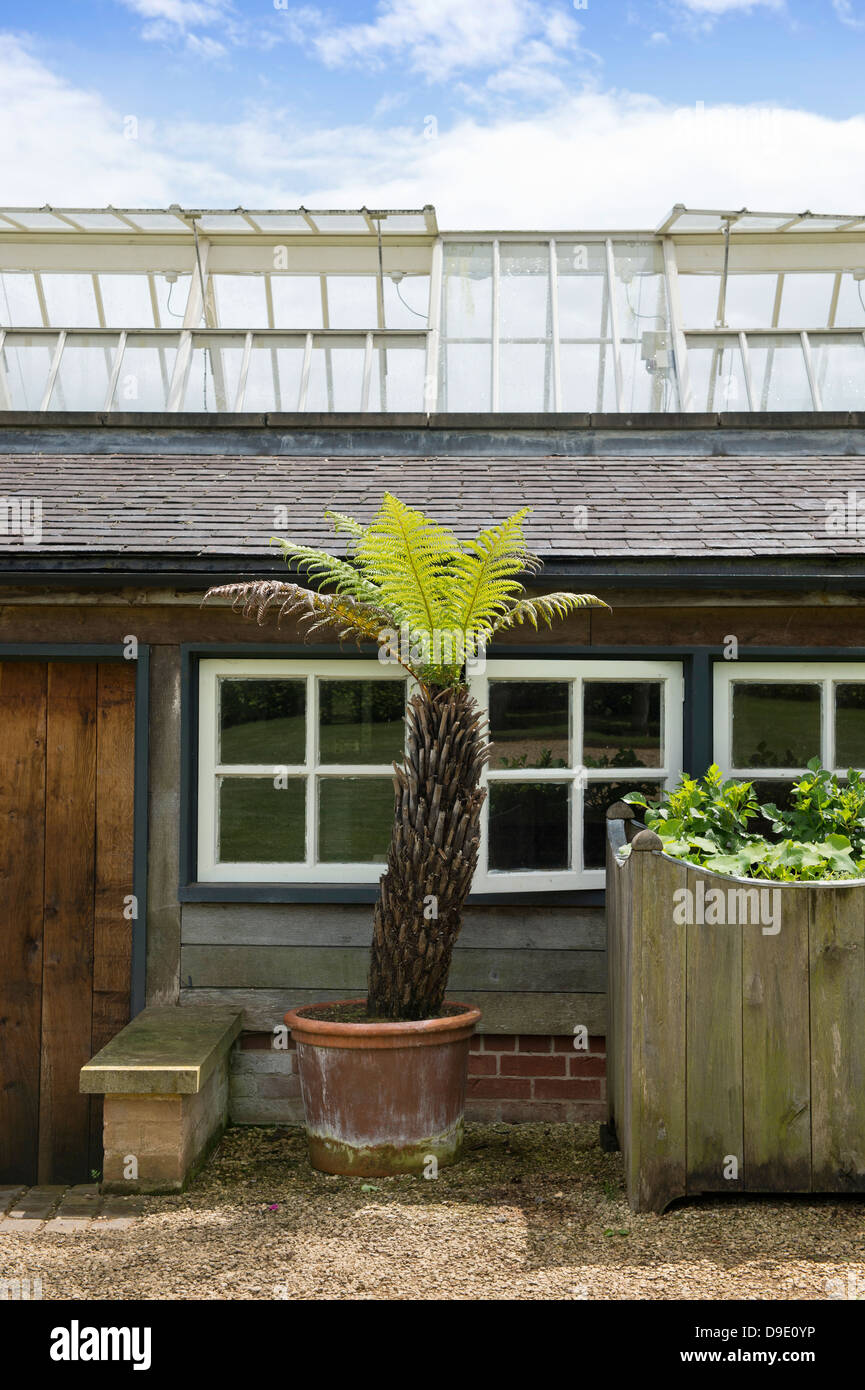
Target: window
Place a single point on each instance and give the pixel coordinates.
(296, 786)
(771, 718)
(568, 738)
(295, 779)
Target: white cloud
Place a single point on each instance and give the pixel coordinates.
(173, 21)
(591, 159)
(719, 7)
(659, 38)
(847, 15)
(440, 37)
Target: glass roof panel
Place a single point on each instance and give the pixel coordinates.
(99, 221)
(158, 222)
(39, 221)
(819, 224)
(223, 222)
(340, 221)
(281, 222)
(760, 222)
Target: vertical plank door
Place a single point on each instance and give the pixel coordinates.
(66, 851)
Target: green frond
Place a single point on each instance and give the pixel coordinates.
(329, 569)
(483, 575)
(345, 524)
(345, 615)
(545, 608)
(409, 557)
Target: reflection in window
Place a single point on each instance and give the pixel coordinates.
(529, 825)
(775, 723)
(529, 724)
(355, 819)
(622, 724)
(361, 721)
(850, 724)
(262, 721)
(261, 821)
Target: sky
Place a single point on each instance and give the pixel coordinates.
(537, 114)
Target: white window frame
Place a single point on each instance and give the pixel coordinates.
(669, 673)
(210, 870)
(826, 674)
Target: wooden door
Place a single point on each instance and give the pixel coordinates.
(66, 850)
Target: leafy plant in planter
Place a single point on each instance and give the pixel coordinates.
(820, 835)
(432, 603)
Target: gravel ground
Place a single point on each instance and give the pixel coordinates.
(531, 1212)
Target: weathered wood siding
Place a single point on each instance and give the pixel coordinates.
(736, 1052)
(530, 969)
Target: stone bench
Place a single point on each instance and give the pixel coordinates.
(165, 1083)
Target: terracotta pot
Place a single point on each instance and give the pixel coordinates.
(382, 1098)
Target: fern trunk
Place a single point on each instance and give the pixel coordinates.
(432, 857)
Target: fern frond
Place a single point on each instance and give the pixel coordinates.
(345, 524)
(329, 569)
(409, 557)
(345, 615)
(483, 576)
(545, 608)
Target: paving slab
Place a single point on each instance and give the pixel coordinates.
(8, 1195)
(36, 1202)
(64, 1226)
(24, 1226)
(84, 1200)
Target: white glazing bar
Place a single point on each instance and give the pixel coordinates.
(367, 372)
(677, 328)
(5, 398)
(311, 766)
(554, 324)
(53, 369)
(833, 303)
(433, 342)
(495, 395)
(809, 368)
(191, 319)
(244, 372)
(40, 295)
(304, 372)
(115, 370)
(614, 325)
(746, 369)
(182, 363)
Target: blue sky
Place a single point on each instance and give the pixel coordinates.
(501, 112)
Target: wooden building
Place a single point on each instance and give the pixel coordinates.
(195, 809)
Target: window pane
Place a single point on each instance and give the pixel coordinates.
(778, 374)
(524, 291)
(850, 724)
(839, 368)
(468, 296)
(145, 374)
(262, 721)
(397, 378)
(214, 373)
(588, 377)
(361, 721)
(717, 374)
(582, 281)
(335, 378)
(622, 724)
(597, 797)
(530, 825)
(26, 363)
(465, 377)
(529, 724)
(351, 301)
(775, 724)
(526, 376)
(84, 375)
(355, 819)
(273, 379)
(260, 822)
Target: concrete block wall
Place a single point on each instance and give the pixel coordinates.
(168, 1136)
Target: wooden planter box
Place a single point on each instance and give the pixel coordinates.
(735, 1052)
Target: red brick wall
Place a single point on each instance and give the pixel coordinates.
(525, 1078)
(511, 1079)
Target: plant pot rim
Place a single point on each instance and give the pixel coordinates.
(407, 1033)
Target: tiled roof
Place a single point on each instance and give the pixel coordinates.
(187, 505)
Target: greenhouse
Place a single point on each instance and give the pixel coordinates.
(350, 311)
